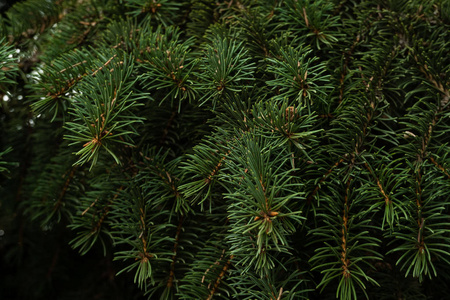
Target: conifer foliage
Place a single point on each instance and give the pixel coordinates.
(162, 149)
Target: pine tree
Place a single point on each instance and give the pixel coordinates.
(199, 149)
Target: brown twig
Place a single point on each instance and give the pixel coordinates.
(65, 187)
(439, 86)
(345, 261)
(440, 167)
(217, 167)
(324, 177)
(347, 56)
(165, 176)
(90, 206)
(104, 65)
(219, 278)
(175, 248)
(385, 196)
(106, 211)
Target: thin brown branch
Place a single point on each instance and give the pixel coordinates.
(73, 81)
(426, 138)
(175, 248)
(439, 86)
(418, 190)
(65, 88)
(220, 277)
(440, 167)
(380, 187)
(145, 255)
(165, 176)
(90, 206)
(73, 66)
(215, 263)
(420, 219)
(106, 210)
(64, 189)
(324, 177)
(104, 65)
(347, 56)
(344, 259)
(217, 167)
(420, 237)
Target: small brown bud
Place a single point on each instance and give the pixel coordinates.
(272, 213)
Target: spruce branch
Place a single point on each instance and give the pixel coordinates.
(100, 119)
(298, 76)
(228, 70)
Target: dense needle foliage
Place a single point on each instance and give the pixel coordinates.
(200, 149)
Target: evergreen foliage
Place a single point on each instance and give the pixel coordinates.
(248, 149)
